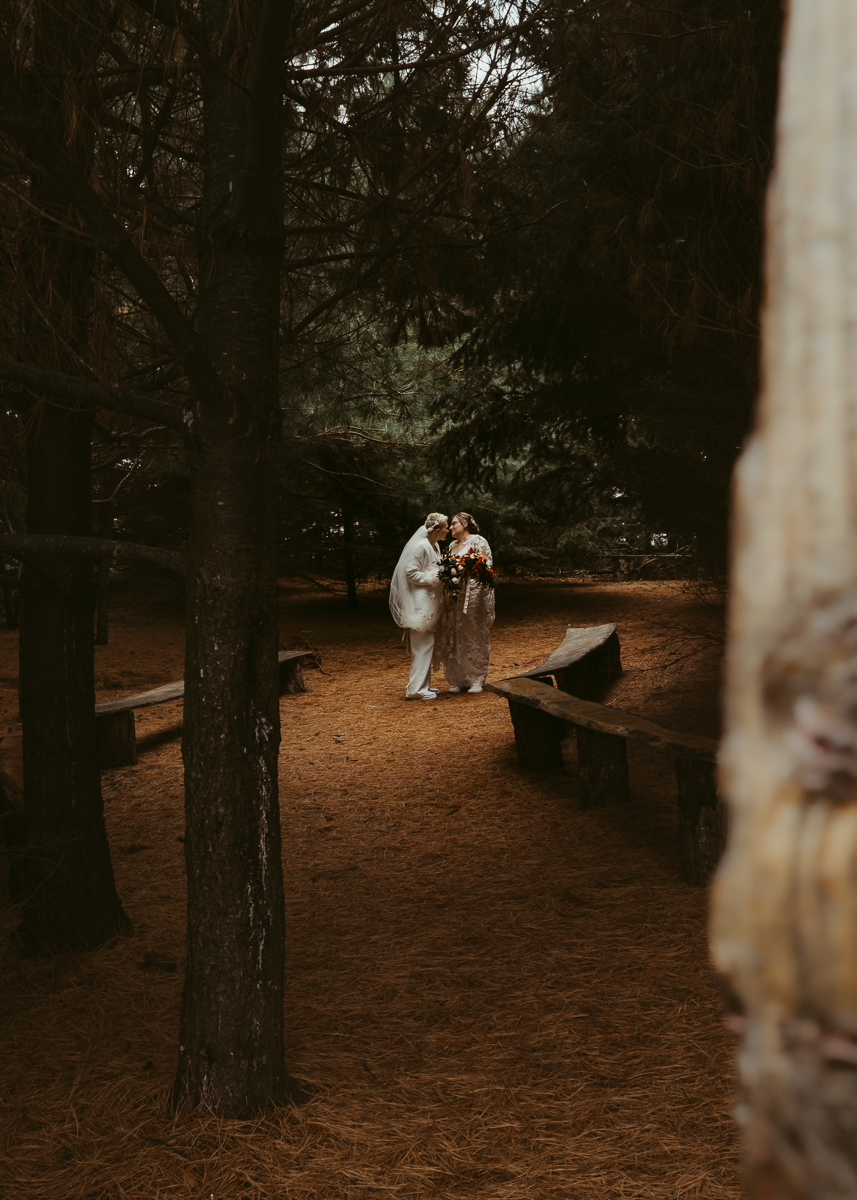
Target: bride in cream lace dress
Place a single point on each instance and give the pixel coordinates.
(463, 639)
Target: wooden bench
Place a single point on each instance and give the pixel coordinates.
(117, 735)
(586, 663)
(541, 715)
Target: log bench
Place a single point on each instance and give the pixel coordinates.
(586, 663)
(117, 736)
(541, 715)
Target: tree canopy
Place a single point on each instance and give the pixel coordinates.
(615, 361)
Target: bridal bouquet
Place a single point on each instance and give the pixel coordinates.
(455, 570)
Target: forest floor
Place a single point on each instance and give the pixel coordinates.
(490, 992)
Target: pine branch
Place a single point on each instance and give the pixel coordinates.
(194, 31)
(176, 16)
(418, 64)
(127, 126)
(20, 118)
(21, 545)
(91, 393)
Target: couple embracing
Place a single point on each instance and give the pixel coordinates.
(445, 604)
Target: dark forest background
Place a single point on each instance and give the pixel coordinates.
(523, 282)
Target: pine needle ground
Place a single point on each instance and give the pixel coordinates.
(490, 992)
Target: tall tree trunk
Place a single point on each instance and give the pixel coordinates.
(105, 530)
(785, 900)
(71, 899)
(231, 1037)
(70, 895)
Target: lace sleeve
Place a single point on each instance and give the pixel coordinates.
(482, 546)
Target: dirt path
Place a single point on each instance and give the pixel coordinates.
(490, 993)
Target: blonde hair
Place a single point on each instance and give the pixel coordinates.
(434, 521)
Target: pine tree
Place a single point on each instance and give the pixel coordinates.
(625, 305)
(260, 166)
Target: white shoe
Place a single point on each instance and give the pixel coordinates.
(474, 689)
(427, 695)
(453, 689)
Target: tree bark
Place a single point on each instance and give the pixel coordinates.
(785, 899)
(117, 739)
(105, 528)
(11, 604)
(71, 901)
(231, 1057)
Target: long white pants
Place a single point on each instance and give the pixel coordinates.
(422, 647)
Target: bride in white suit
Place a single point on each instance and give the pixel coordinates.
(415, 597)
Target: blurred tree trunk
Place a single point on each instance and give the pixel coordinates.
(785, 900)
(70, 894)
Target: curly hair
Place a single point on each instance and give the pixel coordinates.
(434, 521)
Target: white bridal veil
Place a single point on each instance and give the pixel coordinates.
(403, 600)
(412, 606)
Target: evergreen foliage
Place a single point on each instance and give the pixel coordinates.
(565, 196)
(617, 357)
(355, 480)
